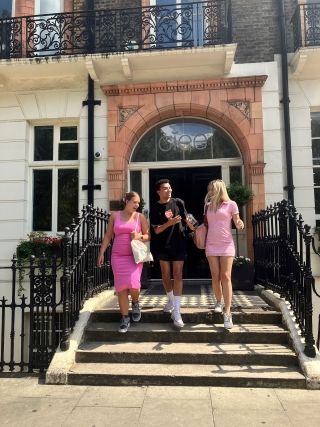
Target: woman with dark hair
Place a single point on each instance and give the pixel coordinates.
(124, 226)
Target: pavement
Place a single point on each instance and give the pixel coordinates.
(28, 402)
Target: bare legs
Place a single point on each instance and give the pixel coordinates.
(176, 284)
(123, 299)
(220, 268)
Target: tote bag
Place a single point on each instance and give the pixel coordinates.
(200, 233)
(140, 250)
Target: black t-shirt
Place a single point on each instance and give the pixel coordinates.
(171, 237)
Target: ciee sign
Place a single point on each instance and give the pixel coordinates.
(184, 142)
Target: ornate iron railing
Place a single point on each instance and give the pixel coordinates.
(33, 324)
(282, 261)
(306, 25)
(107, 31)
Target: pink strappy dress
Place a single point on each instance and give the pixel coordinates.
(126, 272)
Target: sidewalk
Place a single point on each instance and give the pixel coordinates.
(28, 402)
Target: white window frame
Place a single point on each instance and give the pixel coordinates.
(55, 165)
(37, 7)
(317, 216)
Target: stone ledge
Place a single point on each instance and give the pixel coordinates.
(57, 372)
(309, 366)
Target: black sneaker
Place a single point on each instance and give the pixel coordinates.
(124, 324)
(135, 312)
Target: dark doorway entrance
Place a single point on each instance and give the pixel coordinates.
(190, 185)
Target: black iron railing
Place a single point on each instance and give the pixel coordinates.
(119, 30)
(32, 325)
(282, 261)
(306, 25)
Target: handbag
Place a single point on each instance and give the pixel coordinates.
(140, 250)
(200, 233)
(200, 236)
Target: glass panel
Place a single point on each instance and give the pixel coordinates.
(317, 200)
(135, 181)
(42, 200)
(5, 8)
(315, 125)
(184, 140)
(50, 6)
(235, 174)
(316, 151)
(43, 143)
(67, 197)
(68, 133)
(316, 176)
(68, 151)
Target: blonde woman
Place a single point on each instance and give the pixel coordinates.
(220, 249)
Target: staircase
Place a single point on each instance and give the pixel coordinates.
(255, 353)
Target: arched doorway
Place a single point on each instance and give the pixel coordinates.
(190, 152)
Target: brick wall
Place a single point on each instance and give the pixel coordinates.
(255, 28)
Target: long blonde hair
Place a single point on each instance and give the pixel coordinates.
(217, 193)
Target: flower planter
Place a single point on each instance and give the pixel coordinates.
(243, 277)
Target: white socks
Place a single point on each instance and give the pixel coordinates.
(177, 303)
(170, 297)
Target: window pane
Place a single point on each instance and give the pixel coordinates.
(68, 151)
(316, 151)
(5, 8)
(135, 181)
(42, 200)
(68, 133)
(43, 143)
(316, 176)
(235, 174)
(315, 125)
(67, 197)
(317, 200)
(145, 151)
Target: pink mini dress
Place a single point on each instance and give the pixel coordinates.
(126, 272)
(219, 238)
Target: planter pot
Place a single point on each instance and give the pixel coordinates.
(243, 277)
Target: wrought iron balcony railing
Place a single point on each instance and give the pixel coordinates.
(306, 25)
(109, 31)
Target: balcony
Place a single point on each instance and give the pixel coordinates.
(192, 40)
(306, 32)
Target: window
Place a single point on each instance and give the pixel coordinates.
(55, 177)
(315, 134)
(184, 139)
(5, 8)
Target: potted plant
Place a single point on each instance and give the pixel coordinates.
(37, 244)
(242, 271)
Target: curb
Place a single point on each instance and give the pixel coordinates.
(62, 361)
(309, 366)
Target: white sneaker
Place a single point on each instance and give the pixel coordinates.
(169, 307)
(218, 307)
(177, 320)
(227, 321)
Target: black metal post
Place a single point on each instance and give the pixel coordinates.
(285, 102)
(65, 338)
(91, 102)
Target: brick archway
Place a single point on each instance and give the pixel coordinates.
(233, 104)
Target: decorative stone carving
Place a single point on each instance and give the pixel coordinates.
(257, 168)
(125, 113)
(115, 175)
(242, 106)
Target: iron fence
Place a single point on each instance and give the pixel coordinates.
(282, 261)
(35, 320)
(306, 25)
(184, 25)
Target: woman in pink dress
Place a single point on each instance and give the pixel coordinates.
(220, 249)
(125, 226)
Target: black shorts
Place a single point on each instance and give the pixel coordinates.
(171, 255)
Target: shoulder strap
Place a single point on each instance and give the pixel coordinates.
(138, 216)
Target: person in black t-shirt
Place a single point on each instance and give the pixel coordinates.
(168, 218)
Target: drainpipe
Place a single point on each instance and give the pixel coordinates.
(91, 102)
(286, 101)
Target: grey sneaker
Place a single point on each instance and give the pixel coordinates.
(218, 307)
(169, 307)
(135, 312)
(124, 324)
(177, 320)
(227, 321)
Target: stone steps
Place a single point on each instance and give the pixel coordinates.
(185, 374)
(255, 353)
